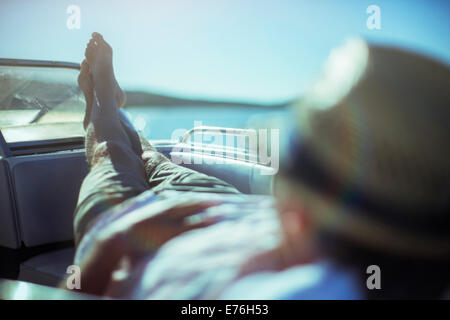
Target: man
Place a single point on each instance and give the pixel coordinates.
(364, 182)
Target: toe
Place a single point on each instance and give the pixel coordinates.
(97, 36)
(89, 46)
(99, 40)
(89, 53)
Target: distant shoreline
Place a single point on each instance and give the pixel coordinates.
(145, 99)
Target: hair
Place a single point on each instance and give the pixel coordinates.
(402, 277)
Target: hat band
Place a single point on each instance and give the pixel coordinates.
(305, 167)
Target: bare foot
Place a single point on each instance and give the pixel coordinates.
(87, 86)
(99, 58)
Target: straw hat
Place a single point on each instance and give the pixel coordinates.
(370, 152)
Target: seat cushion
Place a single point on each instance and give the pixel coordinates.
(46, 189)
(247, 177)
(48, 268)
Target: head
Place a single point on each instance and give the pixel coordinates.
(366, 174)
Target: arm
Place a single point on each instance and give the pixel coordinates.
(135, 236)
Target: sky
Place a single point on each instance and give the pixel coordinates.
(263, 51)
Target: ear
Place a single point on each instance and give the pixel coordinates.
(294, 218)
(297, 246)
(296, 222)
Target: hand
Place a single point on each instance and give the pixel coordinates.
(149, 228)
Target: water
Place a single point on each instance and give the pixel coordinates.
(165, 122)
